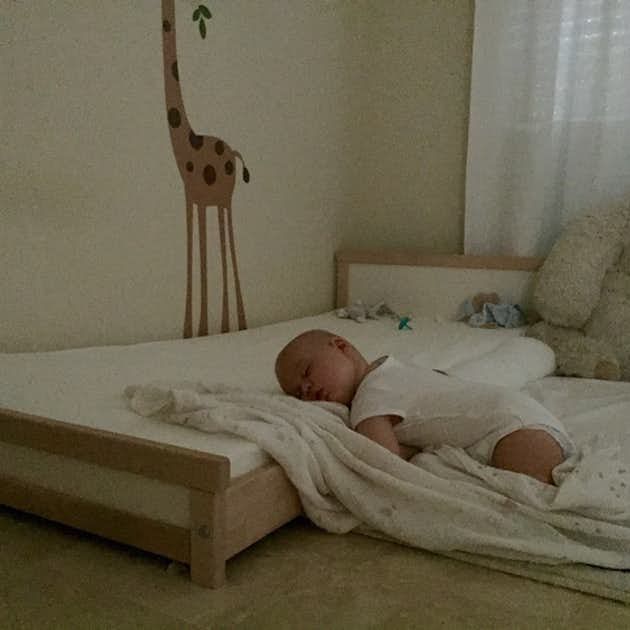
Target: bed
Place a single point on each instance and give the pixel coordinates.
(71, 450)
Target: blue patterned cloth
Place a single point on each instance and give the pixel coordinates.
(500, 315)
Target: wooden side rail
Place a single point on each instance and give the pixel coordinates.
(172, 464)
(258, 502)
(163, 539)
(415, 259)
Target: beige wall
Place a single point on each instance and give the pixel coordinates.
(409, 134)
(351, 117)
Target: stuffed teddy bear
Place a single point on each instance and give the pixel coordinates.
(582, 294)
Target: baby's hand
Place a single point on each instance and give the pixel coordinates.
(407, 452)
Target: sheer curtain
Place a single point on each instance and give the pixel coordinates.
(549, 133)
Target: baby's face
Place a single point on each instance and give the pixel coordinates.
(327, 370)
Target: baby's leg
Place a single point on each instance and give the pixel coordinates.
(528, 451)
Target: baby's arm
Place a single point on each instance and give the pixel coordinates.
(379, 429)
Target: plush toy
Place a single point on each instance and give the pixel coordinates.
(485, 310)
(582, 294)
(478, 300)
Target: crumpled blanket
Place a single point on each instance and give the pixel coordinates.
(441, 501)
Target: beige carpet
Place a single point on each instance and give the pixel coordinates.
(299, 577)
(605, 583)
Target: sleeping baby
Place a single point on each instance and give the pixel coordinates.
(404, 407)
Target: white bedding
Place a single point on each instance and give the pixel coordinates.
(442, 500)
(85, 387)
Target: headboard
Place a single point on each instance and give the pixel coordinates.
(429, 285)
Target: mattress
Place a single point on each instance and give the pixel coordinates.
(85, 386)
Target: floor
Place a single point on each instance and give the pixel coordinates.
(299, 577)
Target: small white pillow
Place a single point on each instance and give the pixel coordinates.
(513, 363)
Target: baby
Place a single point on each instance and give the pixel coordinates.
(404, 407)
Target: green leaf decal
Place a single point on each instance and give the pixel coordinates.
(196, 15)
(204, 10)
(202, 29)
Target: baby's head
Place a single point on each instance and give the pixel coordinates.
(318, 365)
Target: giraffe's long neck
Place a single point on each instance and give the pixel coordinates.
(176, 112)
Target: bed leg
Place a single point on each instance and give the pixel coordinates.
(207, 538)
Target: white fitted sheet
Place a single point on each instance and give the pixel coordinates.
(85, 386)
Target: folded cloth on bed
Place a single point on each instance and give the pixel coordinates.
(441, 501)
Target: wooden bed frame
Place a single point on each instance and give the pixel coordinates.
(226, 515)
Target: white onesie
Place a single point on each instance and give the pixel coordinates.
(437, 409)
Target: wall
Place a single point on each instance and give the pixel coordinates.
(351, 117)
(413, 61)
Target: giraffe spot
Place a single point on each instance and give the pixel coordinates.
(245, 175)
(209, 175)
(190, 167)
(229, 167)
(175, 71)
(219, 147)
(196, 142)
(174, 117)
(166, 25)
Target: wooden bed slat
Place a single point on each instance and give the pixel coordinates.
(163, 539)
(186, 467)
(414, 259)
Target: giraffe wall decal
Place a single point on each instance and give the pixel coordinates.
(207, 166)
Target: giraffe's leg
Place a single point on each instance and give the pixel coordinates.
(203, 262)
(189, 256)
(225, 314)
(240, 308)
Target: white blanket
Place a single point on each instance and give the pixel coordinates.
(441, 501)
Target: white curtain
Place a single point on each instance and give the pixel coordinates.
(549, 133)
